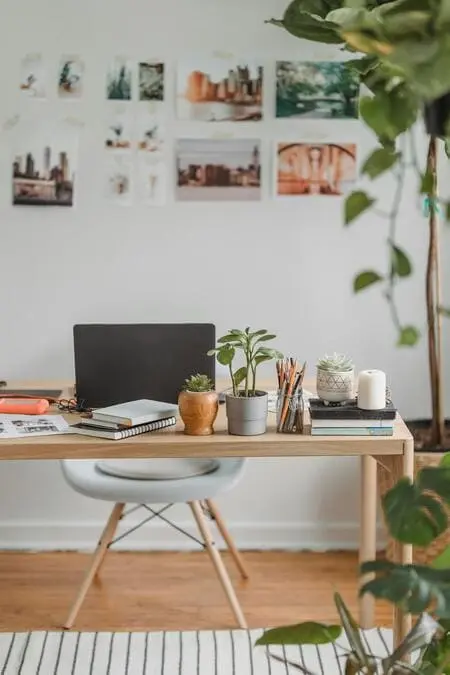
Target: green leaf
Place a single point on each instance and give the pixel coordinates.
(442, 561)
(239, 376)
(365, 279)
(445, 311)
(226, 354)
(270, 353)
(401, 265)
(379, 161)
(447, 212)
(305, 19)
(356, 203)
(426, 183)
(445, 460)
(363, 65)
(265, 338)
(307, 633)
(435, 479)
(351, 631)
(389, 113)
(408, 337)
(412, 516)
(414, 588)
(447, 147)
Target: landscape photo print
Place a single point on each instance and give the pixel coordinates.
(316, 90)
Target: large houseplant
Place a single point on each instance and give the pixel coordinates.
(246, 406)
(415, 513)
(401, 50)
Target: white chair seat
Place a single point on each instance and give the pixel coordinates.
(85, 477)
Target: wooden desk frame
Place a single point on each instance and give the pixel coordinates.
(396, 453)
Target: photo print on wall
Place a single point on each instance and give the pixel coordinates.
(119, 79)
(45, 164)
(314, 169)
(316, 90)
(150, 129)
(151, 81)
(218, 170)
(118, 178)
(119, 129)
(33, 79)
(219, 89)
(70, 77)
(151, 179)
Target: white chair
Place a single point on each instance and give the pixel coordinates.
(197, 491)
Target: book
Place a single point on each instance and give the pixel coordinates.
(91, 422)
(349, 411)
(118, 435)
(137, 412)
(355, 424)
(353, 431)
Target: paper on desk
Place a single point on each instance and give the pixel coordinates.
(22, 426)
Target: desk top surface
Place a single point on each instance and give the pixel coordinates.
(174, 443)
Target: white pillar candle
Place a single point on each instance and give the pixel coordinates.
(372, 390)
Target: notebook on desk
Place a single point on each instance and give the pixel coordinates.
(115, 363)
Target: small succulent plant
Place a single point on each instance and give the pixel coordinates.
(336, 362)
(198, 383)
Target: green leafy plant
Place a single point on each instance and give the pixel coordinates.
(415, 514)
(401, 52)
(251, 345)
(198, 383)
(338, 363)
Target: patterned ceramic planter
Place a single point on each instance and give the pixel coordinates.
(334, 386)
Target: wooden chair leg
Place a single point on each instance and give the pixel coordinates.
(97, 559)
(235, 554)
(218, 563)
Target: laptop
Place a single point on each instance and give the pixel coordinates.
(115, 363)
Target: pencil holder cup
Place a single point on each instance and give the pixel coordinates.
(290, 413)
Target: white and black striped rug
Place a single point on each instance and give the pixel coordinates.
(168, 653)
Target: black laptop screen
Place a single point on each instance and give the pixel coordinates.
(115, 363)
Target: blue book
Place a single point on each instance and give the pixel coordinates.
(352, 431)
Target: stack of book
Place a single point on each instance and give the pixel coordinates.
(349, 420)
(127, 419)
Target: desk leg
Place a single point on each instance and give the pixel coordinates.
(368, 533)
(403, 552)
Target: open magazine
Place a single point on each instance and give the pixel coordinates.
(23, 426)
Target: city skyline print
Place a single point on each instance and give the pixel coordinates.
(151, 81)
(219, 90)
(44, 165)
(119, 79)
(316, 90)
(70, 77)
(218, 170)
(33, 80)
(315, 169)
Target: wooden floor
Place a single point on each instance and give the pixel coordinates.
(151, 591)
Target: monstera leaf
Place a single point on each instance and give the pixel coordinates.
(414, 588)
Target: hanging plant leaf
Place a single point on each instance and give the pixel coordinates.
(379, 161)
(365, 279)
(305, 19)
(426, 183)
(401, 265)
(415, 588)
(445, 311)
(409, 336)
(366, 44)
(389, 115)
(413, 516)
(307, 633)
(447, 147)
(426, 63)
(356, 203)
(447, 211)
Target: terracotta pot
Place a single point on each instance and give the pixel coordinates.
(198, 410)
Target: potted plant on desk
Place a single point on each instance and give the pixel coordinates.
(246, 407)
(198, 404)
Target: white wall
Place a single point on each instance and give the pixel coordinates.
(216, 262)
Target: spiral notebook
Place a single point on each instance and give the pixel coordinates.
(112, 435)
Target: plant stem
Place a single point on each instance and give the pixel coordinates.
(232, 381)
(437, 417)
(253, 380)
(393, 214)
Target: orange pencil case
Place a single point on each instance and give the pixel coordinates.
(24, 406)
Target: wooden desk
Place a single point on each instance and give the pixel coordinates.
(395, 452)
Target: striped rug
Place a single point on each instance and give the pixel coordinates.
(168, 653)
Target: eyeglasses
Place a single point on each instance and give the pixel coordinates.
(72, 405)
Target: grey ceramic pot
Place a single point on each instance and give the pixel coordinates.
(247, 416)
